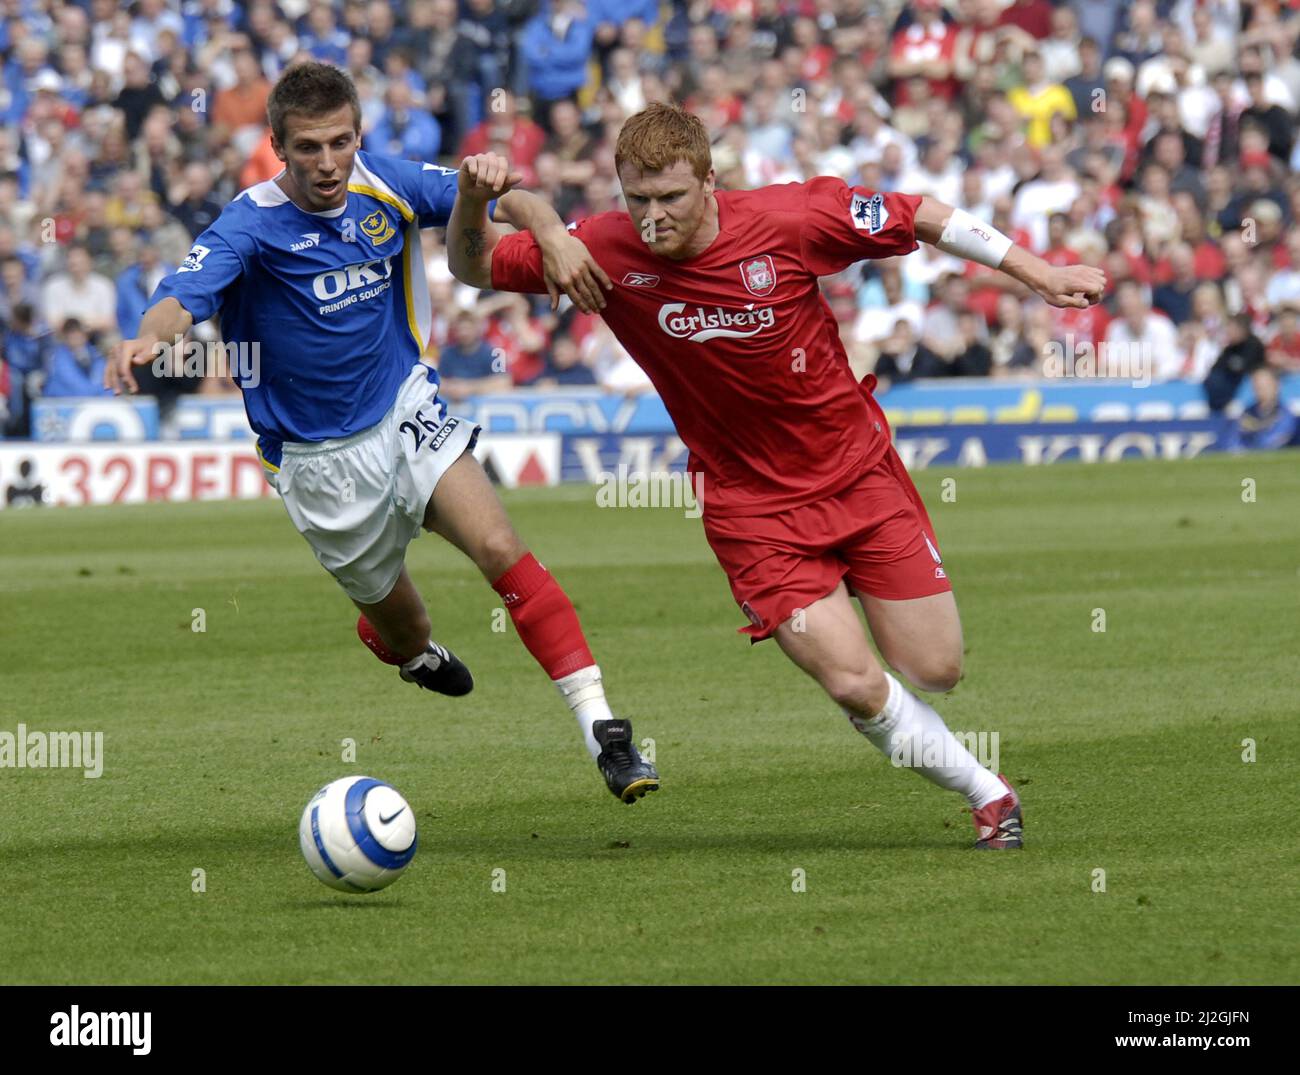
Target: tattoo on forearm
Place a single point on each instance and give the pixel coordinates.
(475, 242)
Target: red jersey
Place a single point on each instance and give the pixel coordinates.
(738, 341)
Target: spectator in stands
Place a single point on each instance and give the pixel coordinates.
(1173, 298)
(26, 347)
(138, 94)
(1144, 339)
(403, 130)
(1284, 345)
(1243, 355)
(885, 306)
(469, 365)
(902, 357)
(572, 146)
(192, 201)
(167, 234)
(1198, 343)
(520, 138)
(239, 111)
(1271, 117)
(82, 294)
(322, 37)
(1039, 100)
(923, 54)
(25, 491)
(1012, 352)
(1054, 189)
(76, 366)
(1267, 423)
(1088, 86)
(615, 369)
(1210, 48)
(15, 287)
(556, 46)
(1284, 286)
(137, 283)
(565, 367)
(1141, 39)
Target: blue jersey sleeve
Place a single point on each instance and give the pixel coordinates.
(436, 194)
(430, 189)
(212, 265)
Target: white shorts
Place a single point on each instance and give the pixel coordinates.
(360, 500)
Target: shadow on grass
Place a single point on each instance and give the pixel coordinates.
(345, 900)
(168, 850)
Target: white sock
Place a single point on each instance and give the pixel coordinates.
(583, 692)
(912, 735)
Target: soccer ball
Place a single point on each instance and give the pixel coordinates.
(357, 834)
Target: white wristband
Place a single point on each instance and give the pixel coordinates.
(970, 238)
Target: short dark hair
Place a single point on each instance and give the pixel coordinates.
(310, 89)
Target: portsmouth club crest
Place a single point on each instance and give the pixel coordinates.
(376, 228)
(758, 275)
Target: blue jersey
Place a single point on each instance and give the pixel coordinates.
(335, 301)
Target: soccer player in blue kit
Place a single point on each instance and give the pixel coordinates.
(321, 267)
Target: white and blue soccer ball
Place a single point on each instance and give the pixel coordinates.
(357, 834)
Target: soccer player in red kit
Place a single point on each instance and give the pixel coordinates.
(805, 502)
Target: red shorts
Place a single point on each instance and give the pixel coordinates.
(875, 534)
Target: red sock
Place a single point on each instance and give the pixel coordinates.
(367, 633)
(544, 618)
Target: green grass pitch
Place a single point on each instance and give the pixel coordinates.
(1127, 746)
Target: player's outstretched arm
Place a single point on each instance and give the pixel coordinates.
(162, 323)
(956, 232)
(567, 265)
(471, 235)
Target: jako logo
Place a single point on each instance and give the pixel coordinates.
(102, 1028)
(702, 324)
(309, 239)
(332, 284)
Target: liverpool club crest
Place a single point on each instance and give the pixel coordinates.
(758, 275)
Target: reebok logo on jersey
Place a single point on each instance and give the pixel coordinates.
(701, 325)
(309, 239)
(869, 214)
(641, 279)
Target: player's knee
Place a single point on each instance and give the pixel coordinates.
(861, 690)
(498, 551)
(936, 672)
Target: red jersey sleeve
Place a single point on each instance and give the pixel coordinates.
(517, 264)
(844, 224)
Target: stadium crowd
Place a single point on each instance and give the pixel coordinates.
(1154, 138)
